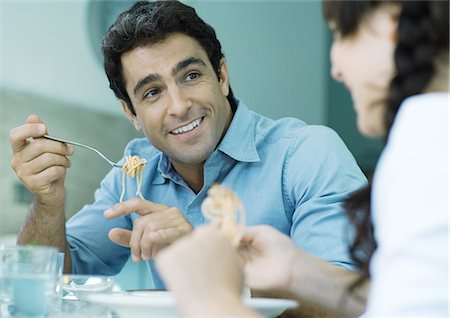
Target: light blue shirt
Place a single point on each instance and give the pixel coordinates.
(287, 174)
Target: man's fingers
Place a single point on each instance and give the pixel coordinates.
(141, 207)
(165, 235)
(171, 234)
(46, 163)
(129, 239)
(135, 243)
(43, 162)
(19, 135)
(34, 119)
(120, 236)
(47, 176)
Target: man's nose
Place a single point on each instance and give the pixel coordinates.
(179, 102)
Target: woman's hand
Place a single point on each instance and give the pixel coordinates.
(205, 274)
(268, 256)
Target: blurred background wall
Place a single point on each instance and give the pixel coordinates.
(277, 53)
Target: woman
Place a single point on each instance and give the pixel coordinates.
(393, 58)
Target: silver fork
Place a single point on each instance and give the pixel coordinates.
(112, 163)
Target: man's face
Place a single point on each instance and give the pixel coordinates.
(180, 104)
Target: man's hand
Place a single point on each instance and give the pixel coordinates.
(157, 227)
(39, 163)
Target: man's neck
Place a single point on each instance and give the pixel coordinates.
(192, 175)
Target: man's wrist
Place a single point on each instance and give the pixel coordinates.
(48, 207)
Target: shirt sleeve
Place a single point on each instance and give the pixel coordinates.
(319, 176)
(91, 250)
(410, 202)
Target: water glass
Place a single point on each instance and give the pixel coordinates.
(58, 290)
(27, 279)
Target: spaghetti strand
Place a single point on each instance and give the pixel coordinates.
(133, 167)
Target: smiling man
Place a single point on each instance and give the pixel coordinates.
(178, 101)
(166, 67)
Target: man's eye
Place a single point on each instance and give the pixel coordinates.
(151, 92)
(192, 76)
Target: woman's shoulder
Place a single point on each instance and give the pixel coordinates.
(418, 139)
(421, 117)
(425, 106)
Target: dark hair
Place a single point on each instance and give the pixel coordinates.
(148, 23)
(423, 34)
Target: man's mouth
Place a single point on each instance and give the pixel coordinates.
(187, 128)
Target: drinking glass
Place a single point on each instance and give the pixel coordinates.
(27, 279)
(58, 291)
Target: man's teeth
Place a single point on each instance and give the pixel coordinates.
(187, 128)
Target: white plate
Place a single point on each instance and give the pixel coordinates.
(162, 304)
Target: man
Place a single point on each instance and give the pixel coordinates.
(166, 67)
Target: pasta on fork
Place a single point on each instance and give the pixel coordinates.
(133, 167)
(224, 206)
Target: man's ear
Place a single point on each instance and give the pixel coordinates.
(224, 77)
(131, 117)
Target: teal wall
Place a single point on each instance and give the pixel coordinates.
(275, 52)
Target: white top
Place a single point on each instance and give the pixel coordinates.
(411, 214)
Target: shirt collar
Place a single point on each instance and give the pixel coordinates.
(163, 169)
(239, 140)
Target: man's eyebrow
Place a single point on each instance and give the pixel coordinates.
(185, 63)
(144, 81)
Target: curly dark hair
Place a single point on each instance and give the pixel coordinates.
(147, 23)
(423, 34)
